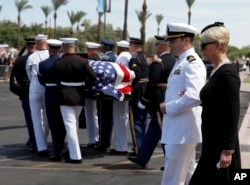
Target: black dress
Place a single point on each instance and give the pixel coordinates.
(220, 116)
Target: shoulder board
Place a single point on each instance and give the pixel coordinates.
(191, 58)
(159, 60)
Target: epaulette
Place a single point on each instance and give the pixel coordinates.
(134, 56)
(191, 58)
(158, 60)
(106, 58)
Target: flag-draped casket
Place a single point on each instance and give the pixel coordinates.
(112, 79)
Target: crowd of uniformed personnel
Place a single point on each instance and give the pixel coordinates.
(54, 84)
(57, 87)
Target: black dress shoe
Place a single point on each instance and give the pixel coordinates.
(74, 161)
(65, 155)
(34, 151)
(91, 145)
(113, 151)
(132, 154)
(100, 149)
(136, 161)
(162, 168)
(43, 153)
(56, 158)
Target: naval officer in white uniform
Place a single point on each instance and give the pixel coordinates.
(36, 95)
(182, 114)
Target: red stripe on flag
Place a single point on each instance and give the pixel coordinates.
(126, 77)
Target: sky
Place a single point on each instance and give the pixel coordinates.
(234, 13)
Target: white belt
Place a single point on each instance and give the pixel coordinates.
(51, 84)
(73, 83)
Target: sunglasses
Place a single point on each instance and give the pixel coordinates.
(203, 45)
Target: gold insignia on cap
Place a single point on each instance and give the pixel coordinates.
(134, 65)
(191, 58)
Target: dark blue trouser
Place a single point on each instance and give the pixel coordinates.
(55, 120)
(29, 123)
(140, 123)
(151, 139)
(57, 128)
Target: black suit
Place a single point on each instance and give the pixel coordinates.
(220, 116)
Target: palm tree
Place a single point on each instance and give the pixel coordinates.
(1, 8)
(125, 31)
(79, 15)
(140, 16)
(159, 18)
(21, 6)
(56, 5)
(189, 3)
(144, 13)
(72, 19)
(46, 10)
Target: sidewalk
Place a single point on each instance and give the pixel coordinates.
(244, 133)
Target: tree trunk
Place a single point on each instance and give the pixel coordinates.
(99, 27)
(46, 23)
(144, 10)
(189, 17)
(55, 16)
(125, 31)
(19, 32)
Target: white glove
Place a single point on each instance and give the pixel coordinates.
(140, 105)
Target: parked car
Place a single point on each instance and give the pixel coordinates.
(242, 66)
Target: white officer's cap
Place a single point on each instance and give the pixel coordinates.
(92, 45)
(69, 40)
(123, 44)
(54, 43)
(41, 37)
(175, 30)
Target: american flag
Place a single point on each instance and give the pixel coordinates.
(112, 79)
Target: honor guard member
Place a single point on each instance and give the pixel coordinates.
(90, 103)
(46, 77)
(181, 125)
(19, 85)
(71, 72)
(105, 106)
(107, 47)
(154, 94)
(120, 108)
(36, 95)
(138, 116)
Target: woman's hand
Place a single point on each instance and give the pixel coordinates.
(225, 159)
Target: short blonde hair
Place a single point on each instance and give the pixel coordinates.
(216, 33)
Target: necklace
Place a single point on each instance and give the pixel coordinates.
(225, 61)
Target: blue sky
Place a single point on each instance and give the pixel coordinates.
(234, 13)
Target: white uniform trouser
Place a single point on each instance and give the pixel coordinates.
(120, 122)
(179, 164)
(70, 116)
(39, 119)
(91, 121)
